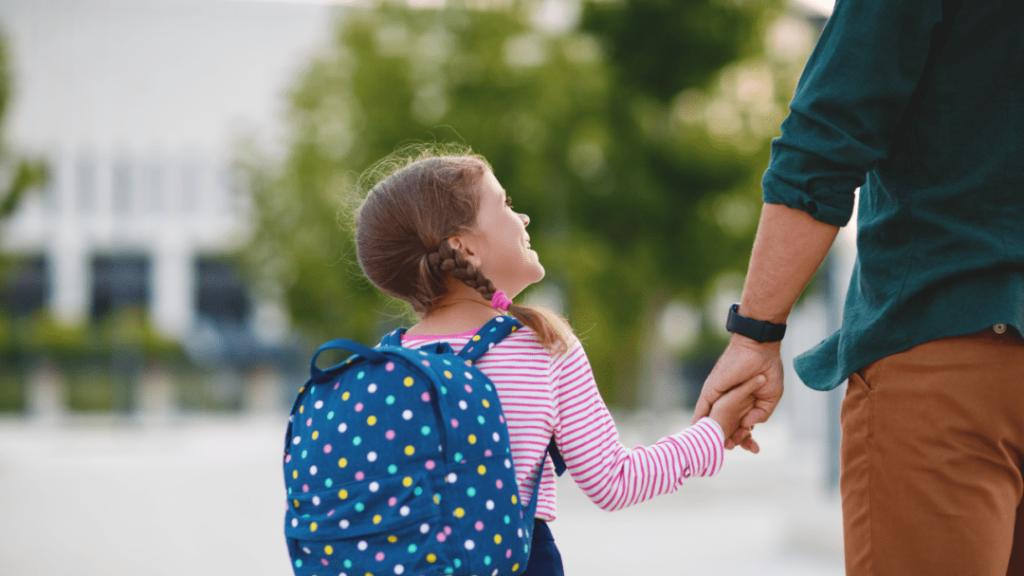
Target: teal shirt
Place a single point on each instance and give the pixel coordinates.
(923, 106)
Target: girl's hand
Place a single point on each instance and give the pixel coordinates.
(743, 360)
(730, 409)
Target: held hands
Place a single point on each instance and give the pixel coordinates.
(733, 406)
(748, 379)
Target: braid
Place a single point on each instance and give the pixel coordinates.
(448, 261)
(451, 261)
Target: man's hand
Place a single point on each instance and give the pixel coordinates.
(735, 404)
(789, 246)
(741, 363)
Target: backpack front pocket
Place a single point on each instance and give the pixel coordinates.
(361, 508)
(383, 525)
(413, 549)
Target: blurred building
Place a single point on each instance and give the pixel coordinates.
(137, 106)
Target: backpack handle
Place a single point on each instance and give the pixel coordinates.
(370, 354)
(494, 331)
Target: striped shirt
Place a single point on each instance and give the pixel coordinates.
(544, 395)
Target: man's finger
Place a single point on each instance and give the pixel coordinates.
(748, 387)
(761, 412)
(703, 407)
(709, 395)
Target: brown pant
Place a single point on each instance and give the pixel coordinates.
(931, 460)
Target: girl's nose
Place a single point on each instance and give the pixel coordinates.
(525, 219)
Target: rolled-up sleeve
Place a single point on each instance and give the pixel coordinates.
(849, 103)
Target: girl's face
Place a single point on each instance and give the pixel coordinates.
(499, 245)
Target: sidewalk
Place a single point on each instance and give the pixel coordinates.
(764, 514)
(199, 496)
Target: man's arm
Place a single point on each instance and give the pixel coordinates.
(789, 247)
(848, 106)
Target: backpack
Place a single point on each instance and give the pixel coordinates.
(398, 461)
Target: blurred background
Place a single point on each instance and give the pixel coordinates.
(175, 241)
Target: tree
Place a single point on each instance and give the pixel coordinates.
(19, 175)
(586, 130)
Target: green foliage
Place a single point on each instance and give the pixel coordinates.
(630, 201)
(99, 359)
(206, 390)
(12, 392)
(43, 335)
(21, 175)
(659, 47)
(93, 388)
(18, 176)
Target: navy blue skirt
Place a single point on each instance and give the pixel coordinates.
(545, 560)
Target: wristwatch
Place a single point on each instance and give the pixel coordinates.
(757, 330)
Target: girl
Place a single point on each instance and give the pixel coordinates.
(440, 233)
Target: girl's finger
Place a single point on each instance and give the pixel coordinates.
(751, 445)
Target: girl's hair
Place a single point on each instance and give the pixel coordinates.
(401, 231)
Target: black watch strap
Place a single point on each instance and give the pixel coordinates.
(759, 330)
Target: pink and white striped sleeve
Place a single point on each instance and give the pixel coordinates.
(610, 474)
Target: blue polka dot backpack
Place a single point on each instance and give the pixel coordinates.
(398, 461)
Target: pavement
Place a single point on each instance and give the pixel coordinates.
(196, 495)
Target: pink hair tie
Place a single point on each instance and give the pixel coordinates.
(500, 302)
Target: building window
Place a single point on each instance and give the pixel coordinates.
(119, 282)
(190, 183)
(25, 287)
(229, 192)
(122, 184)
(85, 183)
(50, 191)
(155, 192)
(220, 292)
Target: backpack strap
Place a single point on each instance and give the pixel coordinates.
(494, 331)
(393, 338)
(317, 375)
(556, 457)
(486, 338)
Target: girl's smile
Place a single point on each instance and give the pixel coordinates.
(499, 245)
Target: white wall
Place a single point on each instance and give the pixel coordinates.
(160, 90)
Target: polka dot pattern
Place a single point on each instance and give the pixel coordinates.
(399, 466)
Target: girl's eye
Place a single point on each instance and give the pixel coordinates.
(508, 201)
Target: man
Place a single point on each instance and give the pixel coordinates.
(921, 102)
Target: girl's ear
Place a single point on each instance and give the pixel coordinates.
(464, 244)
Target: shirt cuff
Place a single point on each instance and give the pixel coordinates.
(718, 428)
(824, 204)
(703, 447)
